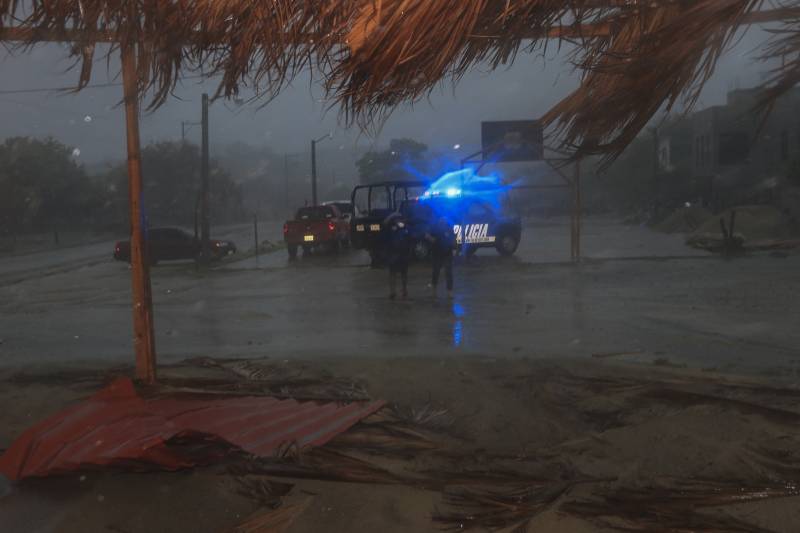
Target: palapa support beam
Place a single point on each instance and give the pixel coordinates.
(143, 332)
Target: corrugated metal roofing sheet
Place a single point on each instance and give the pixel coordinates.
(116, 426)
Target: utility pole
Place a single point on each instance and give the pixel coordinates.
(314, 166)
(313, 172)
(286, 180)
(205, 222)
(143, 334)
(656, 184)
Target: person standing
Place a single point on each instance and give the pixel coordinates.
(443, 244)
(398, 253)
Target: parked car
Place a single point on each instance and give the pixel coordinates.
(316, 227)
(167, 244)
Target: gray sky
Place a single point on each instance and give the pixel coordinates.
(91, 122)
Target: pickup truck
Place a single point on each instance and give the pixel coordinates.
(317, 227)
(371, 205)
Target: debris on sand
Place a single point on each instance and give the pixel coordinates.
(684, 220)
(272, 520)
(675, 507)
(119, 427)
(753, 222)
(265, 377)
(754, 227)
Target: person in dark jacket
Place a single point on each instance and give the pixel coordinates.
(398, 253)
(443, 243)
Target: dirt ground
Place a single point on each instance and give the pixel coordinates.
(492, 444)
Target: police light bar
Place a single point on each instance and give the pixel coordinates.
(451, 192)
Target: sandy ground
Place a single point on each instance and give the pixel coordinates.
(650, 388)
(596, 445)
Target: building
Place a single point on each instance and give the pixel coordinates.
(740, 154)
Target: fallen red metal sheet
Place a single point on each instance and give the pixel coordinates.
(118, 427)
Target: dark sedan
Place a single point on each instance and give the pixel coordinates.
(167, 244)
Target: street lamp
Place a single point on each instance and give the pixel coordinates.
(314, 166)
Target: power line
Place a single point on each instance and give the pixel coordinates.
(76, 89)
(58, 89)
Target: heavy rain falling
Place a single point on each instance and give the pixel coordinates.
(399, 266)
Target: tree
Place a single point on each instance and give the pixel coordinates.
(396, 163)
(42, 186)
(171, 173)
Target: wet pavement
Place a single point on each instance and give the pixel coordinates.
(657, 301)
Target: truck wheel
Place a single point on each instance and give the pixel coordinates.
(507, 244)
(292, 248)
(336, 246)
(422, 250)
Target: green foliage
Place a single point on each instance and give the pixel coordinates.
(171, 179)
(42, 186)
(391, 164)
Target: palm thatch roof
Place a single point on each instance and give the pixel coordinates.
(635, 56)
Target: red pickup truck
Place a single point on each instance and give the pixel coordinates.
(316, 227)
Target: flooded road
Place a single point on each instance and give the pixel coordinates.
(659, 302)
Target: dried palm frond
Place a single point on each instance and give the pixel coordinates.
(784, 45)
(493, 509)
(674, 509)
(662, 55)
(322, 464)
(261, 43)
(266, 492)
(636, 56)
(272, 521)
(399, 50)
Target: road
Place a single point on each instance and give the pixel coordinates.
(18, 267)
(657, 302)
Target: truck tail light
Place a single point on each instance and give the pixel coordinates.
(331, 226)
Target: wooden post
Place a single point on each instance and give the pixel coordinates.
(572, 222)
(143, 335)
(205, 218)
(577, 209)
(313, 172)
(255, 234)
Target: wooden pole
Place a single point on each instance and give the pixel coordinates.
(255, 234)
(286, 181)
(313, 172)
(578, 209)
(205, 219)
(143, 335)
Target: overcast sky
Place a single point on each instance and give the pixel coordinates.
(93, 123)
